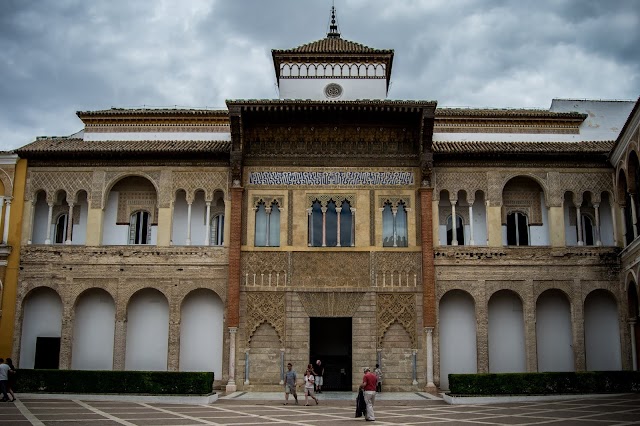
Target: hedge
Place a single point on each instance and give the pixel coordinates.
(134, 382)
(544, 383)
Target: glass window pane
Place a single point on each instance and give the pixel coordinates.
(332, 225)
(345, 225)
(387, 226)
(316, 225)
(274, 226)
(261, 226)
(401, 227)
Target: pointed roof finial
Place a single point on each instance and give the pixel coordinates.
(333, 28)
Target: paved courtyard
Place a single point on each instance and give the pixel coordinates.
(391, 409)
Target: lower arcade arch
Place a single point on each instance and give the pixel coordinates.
(41, 329)
(264, 364)
(147, 331)
(93, 331)
(397, 356)
(457, 331)
(507, 352)
(602, 332)
(554, 339)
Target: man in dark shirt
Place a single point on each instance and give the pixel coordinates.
(319, 371)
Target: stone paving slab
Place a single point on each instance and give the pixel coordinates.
(333, 411)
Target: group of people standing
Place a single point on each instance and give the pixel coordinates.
(7, 380)
(313, 381)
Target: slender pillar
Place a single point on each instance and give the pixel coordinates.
(614, 222)
(634, 217)
(596, 206)
(282, 366)
(579, 225)
(7, 215)
(32, 211)
(634, 349)
(69, 224)
(268, 214)
(624, 226)
(49, 217)
(246, 367)
(188, 242)
(471, 240)
(486, 219)
(394, 211)
(231, 384)
(338, 211)
(310, 226)
(414, 360)
(324, 226)
(454, 224)
(207, 237)
(429, 346)
(353, 226)
(379, 357)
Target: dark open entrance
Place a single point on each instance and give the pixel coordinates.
(47, 353)
(331, 343)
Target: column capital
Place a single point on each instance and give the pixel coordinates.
(233, 330)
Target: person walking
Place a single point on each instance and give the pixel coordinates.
(369, 382)
(290, 384)
(378, 373)
(12, 379)
(319, 372)
(309, 381)
(4, 380)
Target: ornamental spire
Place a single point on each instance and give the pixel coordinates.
(333, 27)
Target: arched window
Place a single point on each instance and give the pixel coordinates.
(267, 232)
(517, 229)
(628, 218)
(394, 225)
(61, 229)
(139, 228)
(217, 229)
(459, 231)
(331, 226)
(587, 230)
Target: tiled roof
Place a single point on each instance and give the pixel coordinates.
(595, 147)
(156, 111)
(504, 113)
(333, 45)
(68, 145)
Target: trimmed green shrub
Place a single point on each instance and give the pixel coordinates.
(138, 382)
(545, 383)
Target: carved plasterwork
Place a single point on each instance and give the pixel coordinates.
(445, 211)
(266, 307)
(498, 180)
(394, 200)
(525, 200)
(290, 218)
(394, 269)
(207, 181)
(331, 304)
(264, 269)
(112, 177)
(331, 269)
(64, 209)
(331, 178)
(580, 183)
(54, 181)
(396, 307)
(337, 198)
(268, 200)
(470, 182)
(130, 202)
(7, 174)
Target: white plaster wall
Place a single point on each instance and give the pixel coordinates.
(540, 234)
(553, 332)
(42, 317)
(41, 215)
(198, 226)
(570, 231)
(147, 331)
(457, 334)
(79, 236)
(506, 334)
(179, 231)
(93, 333)
(352, 89)
(118, 235)
(442, 235)
(201, 332)
(602, 333)
(606, 224)
(479, 222)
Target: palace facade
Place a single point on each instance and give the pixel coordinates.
(330, 224)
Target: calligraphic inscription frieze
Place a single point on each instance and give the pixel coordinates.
(363, 178)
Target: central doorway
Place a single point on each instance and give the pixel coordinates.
(330, 342)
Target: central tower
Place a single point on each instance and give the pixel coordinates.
(333, 69)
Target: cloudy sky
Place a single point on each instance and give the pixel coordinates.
(61, 56)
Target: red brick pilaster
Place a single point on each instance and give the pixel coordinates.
(428, 268)
(235, 244)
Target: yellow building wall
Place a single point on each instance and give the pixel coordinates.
(10, 282)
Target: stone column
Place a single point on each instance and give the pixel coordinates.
(310, 226)
(69, 224)
(634, 348)
(7, 220)
(394, 212)
(246, 366)
(165, 226)
(120, 339)
(49, 218)
(429, 346)
(577, 327)
(324, 226)
(614, 221)
(32, 214)
(188, 242)
(282, 366)
(471, 239)
(66, 339)
(596, 206)
(94, 226)
(173, 351)
(231, 384)
(556, 226)
(268, 215)
(579, 225)
(353, 226)
(494, 227)
(338, 211)
(634, 217)
(207, 237)
(454, 224)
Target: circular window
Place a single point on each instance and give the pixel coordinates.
(333, 90)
